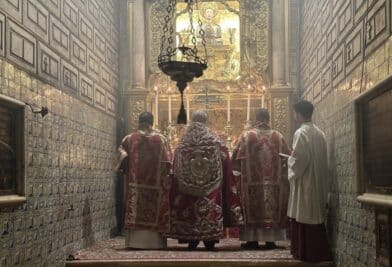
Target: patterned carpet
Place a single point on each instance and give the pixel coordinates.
(111, 253)
(227, 249)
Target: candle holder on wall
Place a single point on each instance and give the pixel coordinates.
(43, 110)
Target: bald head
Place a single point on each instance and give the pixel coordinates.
(199, 116)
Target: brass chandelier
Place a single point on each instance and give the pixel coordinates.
(182, 62)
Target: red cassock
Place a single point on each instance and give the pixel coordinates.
(148, 186)
(205, 198)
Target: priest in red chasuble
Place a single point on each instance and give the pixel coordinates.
(145, 157)
(264, 183)
(204, 196)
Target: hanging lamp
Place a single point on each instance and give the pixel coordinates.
(182, 62)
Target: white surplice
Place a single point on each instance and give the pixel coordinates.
(308, 175)
(262, 234)
(144, 239)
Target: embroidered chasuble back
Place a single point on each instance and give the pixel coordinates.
(198, 169)
(264, 182)
(147, 198)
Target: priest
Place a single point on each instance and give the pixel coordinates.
(144, 156)
(309, 187)
(265, 189)
(204, 196)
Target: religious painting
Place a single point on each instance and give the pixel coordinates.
(11, 145)
(221, 27)
(7, 152)
(374, 123)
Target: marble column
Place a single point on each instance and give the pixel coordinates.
(280, 91)
(278, 42)
(138, 45)
(134, 54)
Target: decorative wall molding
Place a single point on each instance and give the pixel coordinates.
(61, 47)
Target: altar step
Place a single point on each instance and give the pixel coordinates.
(192, 263)
(228, 254)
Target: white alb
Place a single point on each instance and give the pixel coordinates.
(308, 175)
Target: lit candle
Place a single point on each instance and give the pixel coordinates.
(263, 98)
(248, 106)
(156, 107)
(169, 106)
(228, 109)
(228, 105)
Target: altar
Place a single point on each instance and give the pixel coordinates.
(229, 112)
(236, 83)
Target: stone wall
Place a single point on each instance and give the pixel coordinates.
(61, 54)
(345, 50)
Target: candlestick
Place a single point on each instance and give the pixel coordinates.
(169, 107)
(262, 101)
(248, 109)
(156, 108)
(228, 109)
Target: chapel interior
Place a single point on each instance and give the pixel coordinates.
(76, 74)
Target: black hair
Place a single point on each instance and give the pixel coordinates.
(305, 108)
(146, 118)
(262, 115)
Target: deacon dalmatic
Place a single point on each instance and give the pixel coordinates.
(145, 157)
(204, 196)
(257, 161)
(309, 187)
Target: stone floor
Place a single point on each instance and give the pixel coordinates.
(112, 253)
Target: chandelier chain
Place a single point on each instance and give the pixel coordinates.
(191, 65)
(192, 28)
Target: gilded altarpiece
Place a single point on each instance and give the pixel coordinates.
(236, 82)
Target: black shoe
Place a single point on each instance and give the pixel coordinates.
(250, 245)
(270, 245)
(192, 245)
(209, 245)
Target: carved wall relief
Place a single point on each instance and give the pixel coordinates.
(281, 116)
(255, 20)
(136, 109)
(62, 41)
(156, 14)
